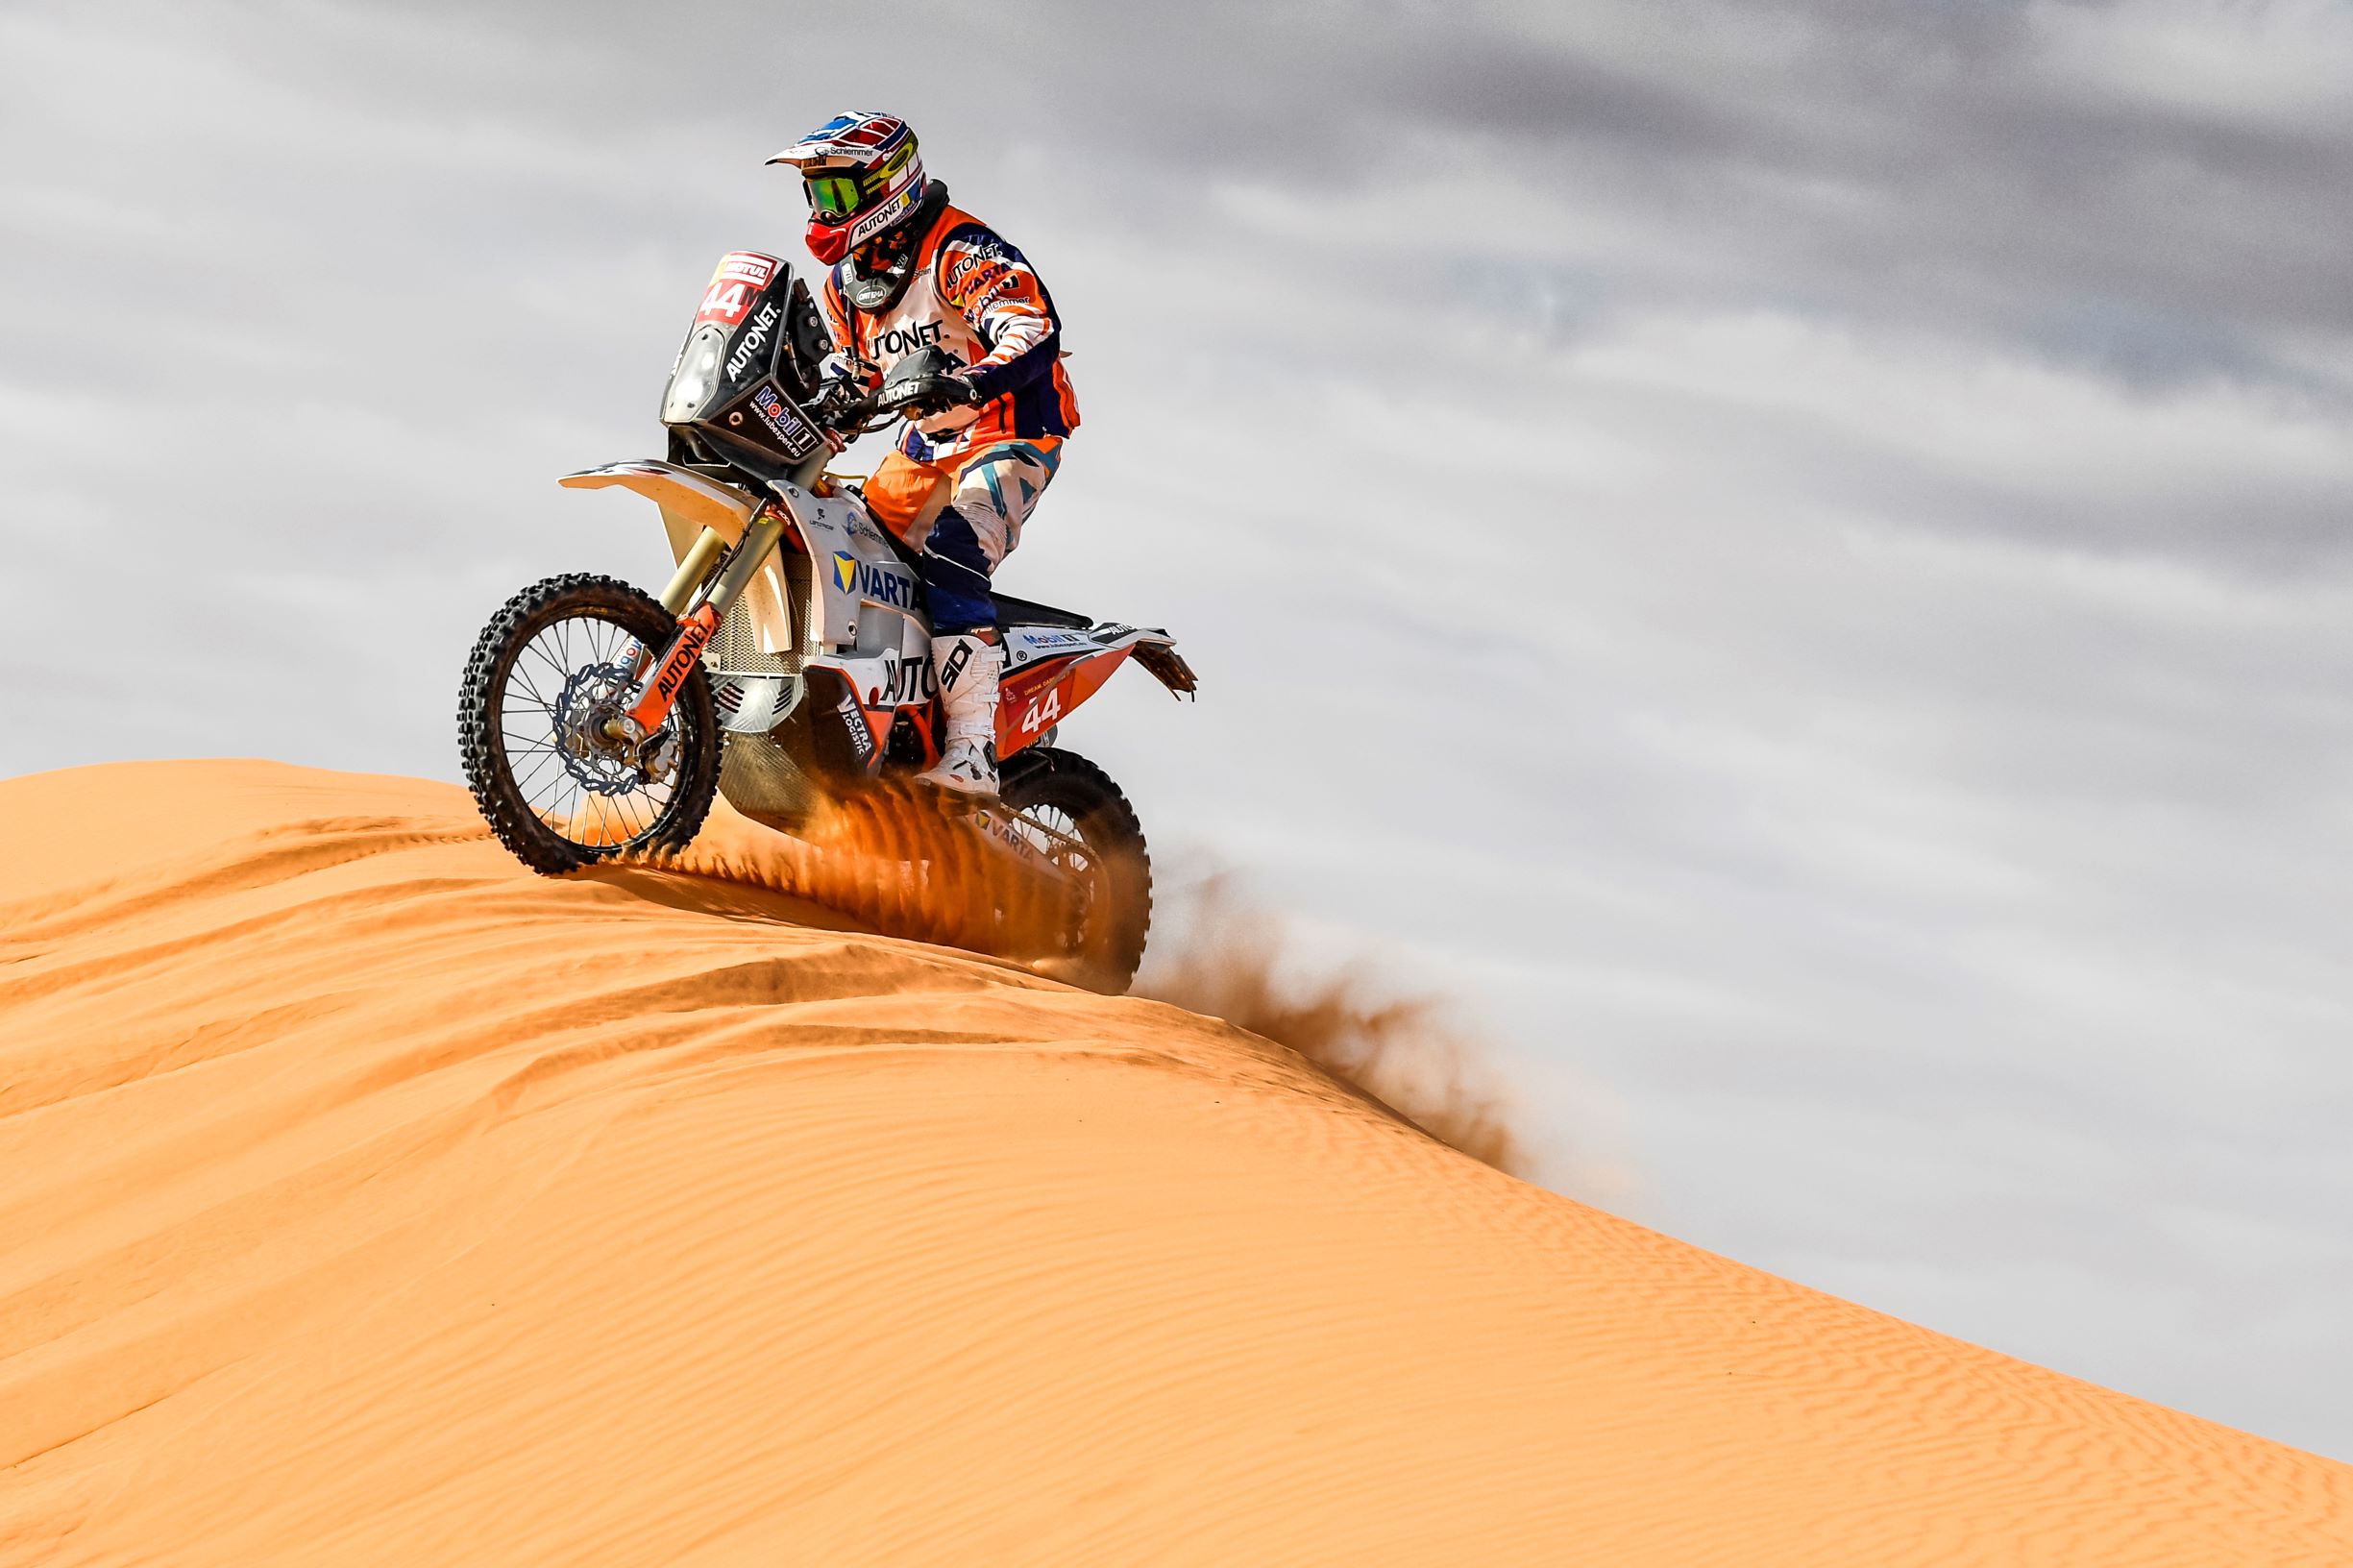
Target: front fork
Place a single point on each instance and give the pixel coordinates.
(657, 687)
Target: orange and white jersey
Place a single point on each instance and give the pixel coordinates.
(976, 296)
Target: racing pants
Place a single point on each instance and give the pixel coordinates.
(969, 512)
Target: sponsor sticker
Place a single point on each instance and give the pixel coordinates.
(970, 254)
(754, 339)
(882, 217)
(867, 580)
(748, 267)
(790, 431)
(740, 277)
(861, 739)
(899, 340)
(1041, 711)
(904, 680)
(1025, 644)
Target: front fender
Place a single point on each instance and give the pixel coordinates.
(699, 500)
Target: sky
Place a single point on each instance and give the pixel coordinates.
(1789, 555)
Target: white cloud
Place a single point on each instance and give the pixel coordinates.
(2279, 64)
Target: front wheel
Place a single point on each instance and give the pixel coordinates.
(557, 662)
(1092, 835)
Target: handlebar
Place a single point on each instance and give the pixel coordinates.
(859, 413)
(863, 411)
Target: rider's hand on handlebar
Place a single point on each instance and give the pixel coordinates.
(935, 395)
(836, 396)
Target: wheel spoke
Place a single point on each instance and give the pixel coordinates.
(567, 796)
(550, 742)
(561, 672)
(518, 674)
(539, 768)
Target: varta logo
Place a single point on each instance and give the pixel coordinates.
(867, 580)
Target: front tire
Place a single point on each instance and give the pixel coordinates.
(553, 660)
(1104, 941)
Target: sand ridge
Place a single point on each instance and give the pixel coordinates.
(366, 1199)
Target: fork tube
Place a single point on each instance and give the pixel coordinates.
(760, 537)
(658, 687)
(701, 556)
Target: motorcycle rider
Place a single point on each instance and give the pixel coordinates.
(912, 274)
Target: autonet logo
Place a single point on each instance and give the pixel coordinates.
(908, 339)
(754, 336)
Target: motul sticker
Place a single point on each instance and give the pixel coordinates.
(740, 277)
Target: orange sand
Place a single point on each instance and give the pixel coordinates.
(365, 1199)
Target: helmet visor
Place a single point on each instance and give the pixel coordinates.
(833, 197)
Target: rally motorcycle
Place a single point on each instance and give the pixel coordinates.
(787, 665)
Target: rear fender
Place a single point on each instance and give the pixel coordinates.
(1049, 671)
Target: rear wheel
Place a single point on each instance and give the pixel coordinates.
(556, 662)
(1092, 833)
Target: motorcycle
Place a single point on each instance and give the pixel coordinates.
(786, 666)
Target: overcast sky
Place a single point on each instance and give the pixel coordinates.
(1794, 556)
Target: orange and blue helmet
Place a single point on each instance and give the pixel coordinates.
(864, 177)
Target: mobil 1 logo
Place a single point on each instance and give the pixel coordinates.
(784, 421)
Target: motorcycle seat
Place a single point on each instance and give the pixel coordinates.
(1013, 612)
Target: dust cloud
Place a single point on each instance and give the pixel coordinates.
(1213, 951)
(1226, 957)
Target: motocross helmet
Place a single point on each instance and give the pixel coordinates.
(879, 272)
(864, 177)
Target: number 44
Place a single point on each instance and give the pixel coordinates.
(1041, 711)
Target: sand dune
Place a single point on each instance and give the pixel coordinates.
(365, 1199)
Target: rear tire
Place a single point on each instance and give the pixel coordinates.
(1107, 943)
(494, 698)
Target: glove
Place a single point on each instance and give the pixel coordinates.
(938, 394)
(836, 392)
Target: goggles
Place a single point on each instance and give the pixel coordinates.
(833, 197)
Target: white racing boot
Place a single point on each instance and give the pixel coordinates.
(965, 667)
